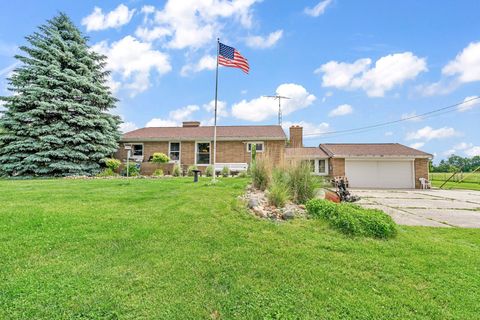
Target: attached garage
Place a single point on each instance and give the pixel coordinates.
(377, 165)
(395, 174)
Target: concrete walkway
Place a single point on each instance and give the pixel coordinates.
(433, 208)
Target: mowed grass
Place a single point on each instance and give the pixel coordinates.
(171, 249)
(465, 180)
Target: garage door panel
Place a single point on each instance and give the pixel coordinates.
(379, 174)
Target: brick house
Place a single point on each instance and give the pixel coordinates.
(370, 165)
(192, 144)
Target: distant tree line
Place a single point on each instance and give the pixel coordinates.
(455, 163)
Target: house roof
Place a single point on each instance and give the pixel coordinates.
(273, 132)
(341, 150)
(305, 152)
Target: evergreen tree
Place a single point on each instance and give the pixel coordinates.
(57, 123)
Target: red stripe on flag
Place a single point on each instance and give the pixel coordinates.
(238, 62)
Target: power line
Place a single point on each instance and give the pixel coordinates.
(425, 115)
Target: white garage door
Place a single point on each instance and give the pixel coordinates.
(379, 174)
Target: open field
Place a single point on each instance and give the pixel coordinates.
(466, 180)
(171, 249)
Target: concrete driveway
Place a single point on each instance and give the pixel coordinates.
(433, 208)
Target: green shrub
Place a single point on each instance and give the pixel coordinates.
(176, 171)
(133, 170)
(243, 174)
(301, 182)
(107, 172)
(260, 174)
(277, 194)
(158, 173)
(352, 219)
(112, 164)
(190, 170)
(159, 157)
(225, 171)
(209, 171)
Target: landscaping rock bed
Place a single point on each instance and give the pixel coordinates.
(257, 204)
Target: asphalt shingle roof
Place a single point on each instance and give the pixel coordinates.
(273, 132)
(371, 149)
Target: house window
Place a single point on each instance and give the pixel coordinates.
(259, 146)
(318, 166)
(174, 153)
(322, 166)
(203, 153)
(137, 150)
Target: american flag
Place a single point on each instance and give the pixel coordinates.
(230, 57)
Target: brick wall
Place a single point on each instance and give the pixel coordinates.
(296, 137)
(227, 152)
(338, 167)
(421, 171)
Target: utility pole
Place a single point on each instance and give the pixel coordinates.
(279, 97)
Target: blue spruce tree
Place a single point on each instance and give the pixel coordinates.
(57, 122)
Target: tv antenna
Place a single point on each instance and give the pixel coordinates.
(279, 106)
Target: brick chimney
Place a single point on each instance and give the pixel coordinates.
(190, 124)
(296, 136)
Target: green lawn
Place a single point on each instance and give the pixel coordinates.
(466, 180)
(169, 249)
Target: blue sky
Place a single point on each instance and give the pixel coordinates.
(345, 64)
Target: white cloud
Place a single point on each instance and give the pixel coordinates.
(389, 71)
(127, 126)
(411, 116)
(340, 74)
(463, 69)
(195, 23)
(310, 130)
(388, 133)
(462, 146)
(417, 145)
(133, 61)
(97, 20)
(262, 108)
(449, 152)
(207, 62)
(264, 42)
(472, 152)
(221, 108)
(175, 117)
(150, 35)
(184, 113)
(428, 133)
(341, 110)
(466, 65)
(319, 9)
(327, 95)
(469, 103)
(158, 122)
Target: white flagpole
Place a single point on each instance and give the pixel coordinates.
(215, 119)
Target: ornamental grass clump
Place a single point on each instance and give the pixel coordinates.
(225, 171)
(352, 219)
(278, 193)
(176, 171)
(260, 173)
(301, 182)
(209, 171)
